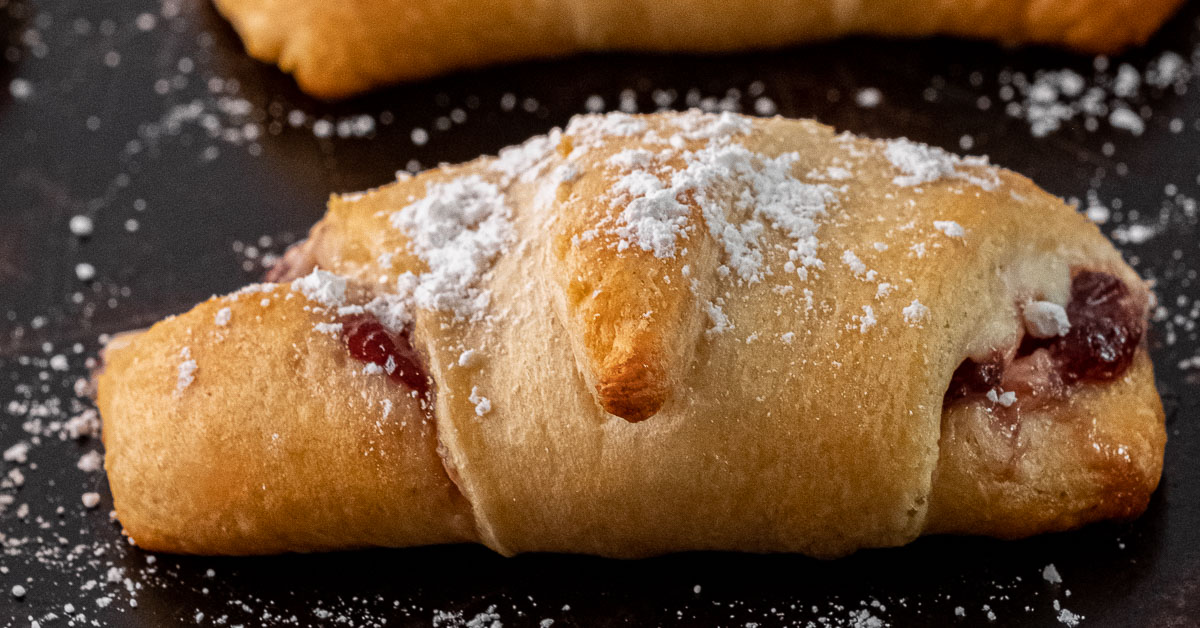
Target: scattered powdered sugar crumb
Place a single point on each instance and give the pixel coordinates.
(80, 225)
(1051, 98)
(222, 317)
(914, 312)
(322, 287)
(1066, 617)
(1134, 234)
(921, 163)
(455, 619)
(868, 97)
(1125, 118)
(458, 228)
(18, 453)
(90, 462)
(187, 371)
(1050, 574)
(950, 228)
(483, 405)
(90, 500)
(85, 271)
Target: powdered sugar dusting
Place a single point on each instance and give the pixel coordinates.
(525, 160)
(322, 287)
(600, 126)
(187, 371)
(921, 163)
(458, 229)
(654, 218)
(393, 310)
(694, 125)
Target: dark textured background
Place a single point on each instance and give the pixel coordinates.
(87, 133)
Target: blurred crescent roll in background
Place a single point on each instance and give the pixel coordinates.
(340, 48)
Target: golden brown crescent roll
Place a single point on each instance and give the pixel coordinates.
(645, 334)
(337, 49)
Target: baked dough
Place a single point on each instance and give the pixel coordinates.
(337, 49)
(647, 334)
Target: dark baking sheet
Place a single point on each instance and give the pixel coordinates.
(148, 112)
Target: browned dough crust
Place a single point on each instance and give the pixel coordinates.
(811, 421)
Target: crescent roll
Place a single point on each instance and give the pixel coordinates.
(648, 334)
(337, 49)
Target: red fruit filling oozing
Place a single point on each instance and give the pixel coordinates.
(368, 341)
(1107, 323)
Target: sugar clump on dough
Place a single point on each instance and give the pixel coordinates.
(468, 358)
(950, 228)
(222, 317)
(720, 322)
(1044, 319)
(652, 218)
(921, 163)
(458, 229)
(483, 405)
(914, 312)
(322, 287)
(187, 371)
(393, 310)
(867, 320)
